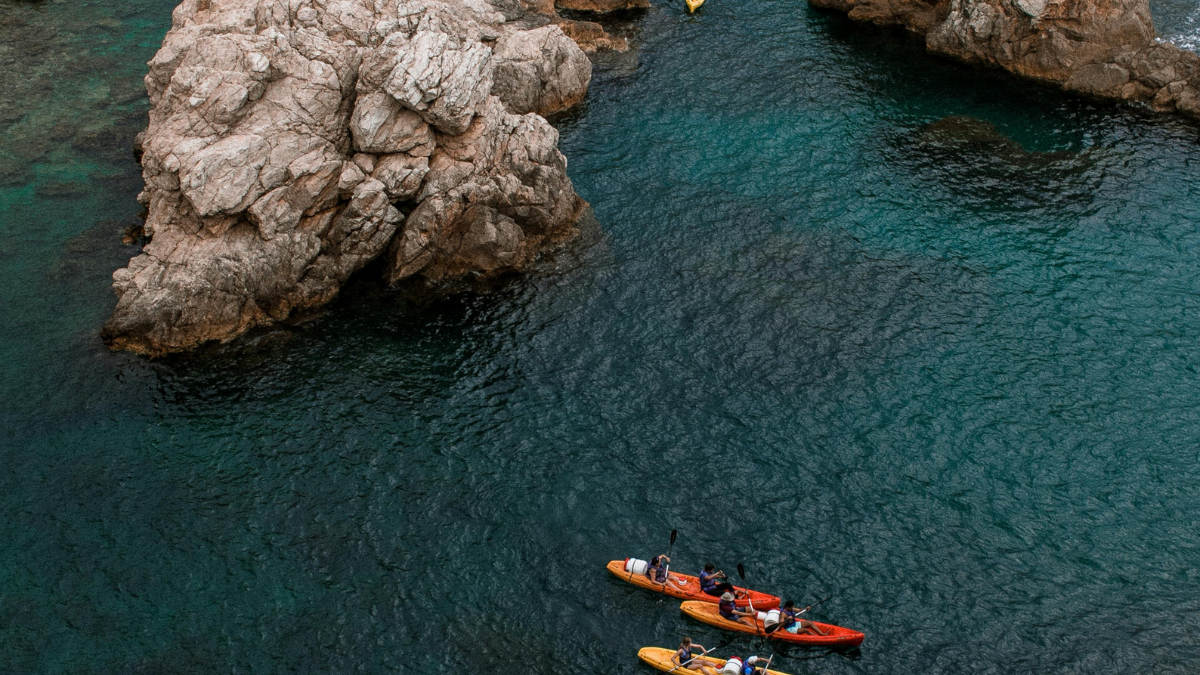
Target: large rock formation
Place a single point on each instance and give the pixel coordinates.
(291, 142)
(1101, 48)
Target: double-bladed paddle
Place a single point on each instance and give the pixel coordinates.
(814, 605)
(674, 533)
(667, 570)
(753, 612)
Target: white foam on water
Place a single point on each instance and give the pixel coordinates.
(1181, 29)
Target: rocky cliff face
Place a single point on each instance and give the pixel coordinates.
(292, 142)
(1101, 48)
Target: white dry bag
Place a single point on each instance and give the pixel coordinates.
(772, 619)
(636, 566)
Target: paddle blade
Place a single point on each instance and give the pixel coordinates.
(741, 571)
(674, 533)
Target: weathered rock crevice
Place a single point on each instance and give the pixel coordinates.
(1099, 48)
(293, 142)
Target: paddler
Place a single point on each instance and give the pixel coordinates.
(729, 610)
(714, 582)
(656, 571)
(751, 667)
(789, 620)
(684, 656)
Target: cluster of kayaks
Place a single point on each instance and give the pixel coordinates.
(703, 607)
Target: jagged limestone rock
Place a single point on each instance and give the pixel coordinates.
(541, 71)
(288, 138)
(503, 165)
(1100, 48)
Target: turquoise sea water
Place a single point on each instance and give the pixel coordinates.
(876, 325)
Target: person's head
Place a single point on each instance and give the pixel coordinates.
(708, 567)
(789, 605)
(685, 642)
(727, 596)
(752, 660)
(654, 560)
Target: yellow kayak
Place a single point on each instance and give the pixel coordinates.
(693, 5)
(660, 658)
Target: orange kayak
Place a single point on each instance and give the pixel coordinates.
(836, 635)
(687, 587)
(660, 658)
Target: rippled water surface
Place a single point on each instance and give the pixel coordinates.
(876, 325)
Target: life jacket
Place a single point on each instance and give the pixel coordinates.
(727, 607)
(684, 655)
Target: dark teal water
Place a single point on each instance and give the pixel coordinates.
(945, 373)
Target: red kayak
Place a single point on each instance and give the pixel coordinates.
(835, 636)
(687, 587)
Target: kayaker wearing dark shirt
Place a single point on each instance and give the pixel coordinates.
(657, 570)
(729, 610)
(713, 582)
(684, 654)
(789, 620)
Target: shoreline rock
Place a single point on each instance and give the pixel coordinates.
(291, 144)
(1100, 48)
(601, 6)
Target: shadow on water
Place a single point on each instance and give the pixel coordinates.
(972, 160)
(369, 315)
(903, 81)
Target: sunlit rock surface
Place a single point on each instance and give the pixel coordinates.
(291, 143)
(1101, 48)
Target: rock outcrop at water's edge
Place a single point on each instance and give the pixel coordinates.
(292, 142)
(1100, 48)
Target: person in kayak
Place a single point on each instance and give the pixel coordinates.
(656, 571)
(750, 666)
(684, 654)
(714, 582)
(789, 620)
(729, 610)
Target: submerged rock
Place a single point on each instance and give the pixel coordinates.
(292, 143)
(1100, 48)
(591, 36)
(974, 143)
